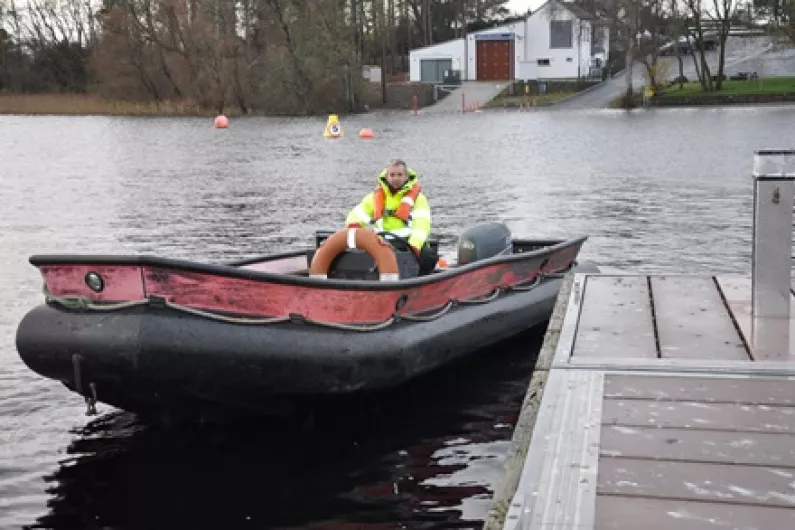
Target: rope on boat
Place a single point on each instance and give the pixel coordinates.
(83, 303)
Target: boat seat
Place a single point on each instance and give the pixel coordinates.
(355, 264)
(322, 235)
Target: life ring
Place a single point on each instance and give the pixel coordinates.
(359, 238)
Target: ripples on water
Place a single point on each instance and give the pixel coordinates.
(662, 191)
(424, 455)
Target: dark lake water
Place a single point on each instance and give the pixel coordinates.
(663, 190)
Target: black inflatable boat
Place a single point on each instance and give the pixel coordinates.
(147, 334)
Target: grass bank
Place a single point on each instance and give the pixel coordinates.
(86, 105)
(517, 101)
(543, 92)
(627, 102)
(765, 90)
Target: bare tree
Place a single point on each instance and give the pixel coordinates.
(676, 29)
(723, 13)
(275, 56)
(695, 17)
(651, 27)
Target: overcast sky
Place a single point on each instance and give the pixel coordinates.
(520, 6)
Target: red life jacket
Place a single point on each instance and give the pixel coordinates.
(403, 211)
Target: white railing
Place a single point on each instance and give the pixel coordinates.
(771, 261)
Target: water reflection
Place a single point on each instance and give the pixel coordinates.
(426, 454)
(661, 190)
(273, 195)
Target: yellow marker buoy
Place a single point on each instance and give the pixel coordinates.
(333, 128)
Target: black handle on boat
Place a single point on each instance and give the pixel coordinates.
(390, 235)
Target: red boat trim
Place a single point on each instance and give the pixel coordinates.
(261, 297)
(120, 282)
(238, 272)
(278, 266)
(561, 259)
(247, 297)
(268, 257)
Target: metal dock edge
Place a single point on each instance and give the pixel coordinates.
(566, 428)
(665, 400)
(502, 505)
(699, 432)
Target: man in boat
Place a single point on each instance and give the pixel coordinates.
(398, 206)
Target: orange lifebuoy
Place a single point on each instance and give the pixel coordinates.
(359, 238)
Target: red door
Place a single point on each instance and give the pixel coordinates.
(494, 60)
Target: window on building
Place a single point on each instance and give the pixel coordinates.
(560, 34)
(543, 62)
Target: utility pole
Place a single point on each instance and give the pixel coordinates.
(426, 22)
(465, 34)
(392, 36)
(383, 51)
(579, 52)
(356, 70)
(430, 23)
(408, 34)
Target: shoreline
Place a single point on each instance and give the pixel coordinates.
(720, 105)
(707, 101)
(766, 90)
(94, 105)
(53, 104)
(75, 105)
(722, 100)
(515, 102)
(558, 92)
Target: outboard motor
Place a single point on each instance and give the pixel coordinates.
(484, 240)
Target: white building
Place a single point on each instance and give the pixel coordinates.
(554, 42)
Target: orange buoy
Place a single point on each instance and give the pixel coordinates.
(366, 133)
(221, 122)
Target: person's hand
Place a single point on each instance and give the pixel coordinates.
(416, 251)
(371, 228)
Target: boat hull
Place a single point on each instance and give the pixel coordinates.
(146, 359)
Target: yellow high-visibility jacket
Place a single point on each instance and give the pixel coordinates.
(418, 226)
